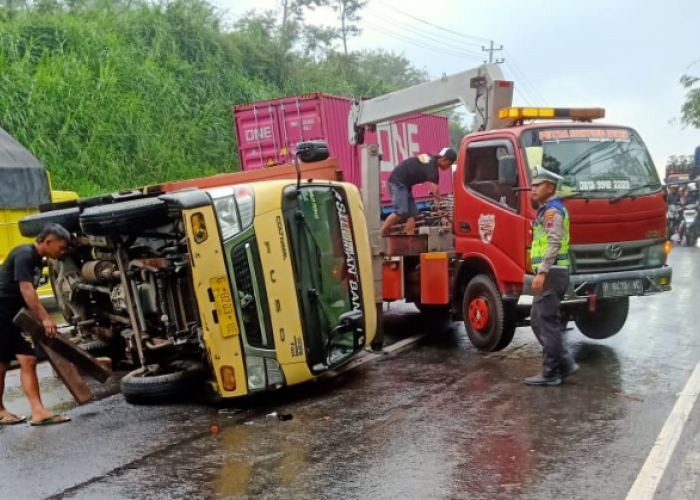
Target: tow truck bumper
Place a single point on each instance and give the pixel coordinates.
(583, 287)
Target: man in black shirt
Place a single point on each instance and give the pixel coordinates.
(19, 278)
(408, 173)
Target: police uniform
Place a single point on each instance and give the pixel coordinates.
(550, 255)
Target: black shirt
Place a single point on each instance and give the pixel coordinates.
(416, 170)
(23, 264)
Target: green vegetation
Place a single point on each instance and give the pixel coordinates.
(111, 94)
(690, 111)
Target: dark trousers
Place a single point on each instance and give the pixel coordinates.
(546, 323)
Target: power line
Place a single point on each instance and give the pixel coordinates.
(441, 28)
(525, 79)
(434, 48)
(525, 98)
(417, 31)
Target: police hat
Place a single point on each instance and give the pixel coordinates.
(540, 175)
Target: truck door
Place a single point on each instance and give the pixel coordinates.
(488, 215)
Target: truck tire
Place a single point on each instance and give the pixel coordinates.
(510, 323)
(179, 383)
(127, 218)
(31, 225)
(607, 320)
(489, 323)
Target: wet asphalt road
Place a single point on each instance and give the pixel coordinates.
(437, 420)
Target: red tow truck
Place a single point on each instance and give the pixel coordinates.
(478, 270)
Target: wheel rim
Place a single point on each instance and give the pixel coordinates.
(479, 313)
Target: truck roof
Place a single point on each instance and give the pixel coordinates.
(517, 130)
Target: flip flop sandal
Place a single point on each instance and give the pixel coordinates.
(18, 419)
(51, 420)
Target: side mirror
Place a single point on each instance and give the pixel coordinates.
(312, 151)
(508, 171)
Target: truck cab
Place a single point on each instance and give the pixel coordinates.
(481, 273)
(249, 286)
(614, 198)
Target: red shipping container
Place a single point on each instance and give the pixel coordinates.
(268, 131)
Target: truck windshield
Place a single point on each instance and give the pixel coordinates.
(323, 252)
(595, 163)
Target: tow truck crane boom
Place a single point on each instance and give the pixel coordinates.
(482, 90)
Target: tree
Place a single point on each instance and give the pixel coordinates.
(395, 70)
(318, 41)
(690, 111)
(292, 16)
(348, 12)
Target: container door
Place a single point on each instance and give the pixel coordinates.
(299, 120)
(258, 137)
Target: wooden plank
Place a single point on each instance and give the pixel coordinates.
(68, 373)
(65, 348)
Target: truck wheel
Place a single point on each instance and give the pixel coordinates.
(127, 217)
(96, 348)
(607, 320)
(485, 315)
(31, 225)
(510, 323)
(175, 383)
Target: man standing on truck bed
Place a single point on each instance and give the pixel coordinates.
(19, 279)
(408, 173)
(550, 261)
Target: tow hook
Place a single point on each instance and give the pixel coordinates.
(591, 302)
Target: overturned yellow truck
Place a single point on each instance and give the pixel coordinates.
(248, 284)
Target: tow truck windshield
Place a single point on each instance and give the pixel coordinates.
(595, 162)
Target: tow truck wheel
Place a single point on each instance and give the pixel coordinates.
(165, 385)
(486, 318)
(607, 320)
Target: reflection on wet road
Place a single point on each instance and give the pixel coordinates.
(436, 421)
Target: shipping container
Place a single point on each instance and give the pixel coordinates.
(268, 131)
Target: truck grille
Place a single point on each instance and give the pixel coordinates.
(607, 257)
(244, 287)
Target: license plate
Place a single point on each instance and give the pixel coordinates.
(623, 288)
(225, 309)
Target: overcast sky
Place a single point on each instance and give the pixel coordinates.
(614, 54)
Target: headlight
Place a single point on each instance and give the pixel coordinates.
(263, 373)
(255, 370)
(656, 255)
(275, 377)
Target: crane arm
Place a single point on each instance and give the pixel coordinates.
(482, 90)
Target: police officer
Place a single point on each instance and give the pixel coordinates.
(408, 173)
(550, 261)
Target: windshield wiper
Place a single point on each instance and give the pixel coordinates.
(632, 191)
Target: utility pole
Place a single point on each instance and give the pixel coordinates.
(491, 50)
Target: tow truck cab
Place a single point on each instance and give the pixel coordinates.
(617, 214)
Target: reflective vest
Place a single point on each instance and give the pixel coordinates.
(540, 240)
